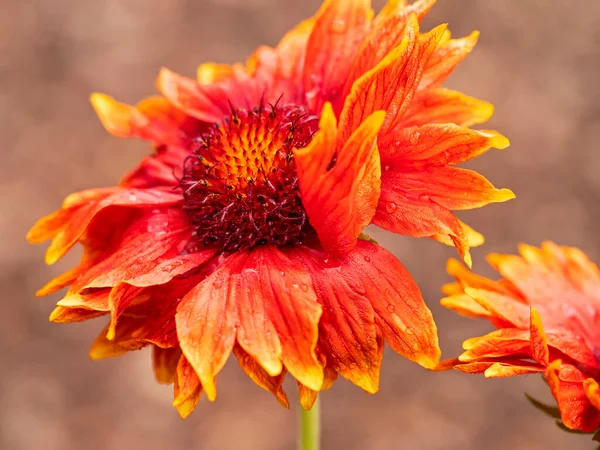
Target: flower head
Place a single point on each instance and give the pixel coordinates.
(547, 311)
(241, 233)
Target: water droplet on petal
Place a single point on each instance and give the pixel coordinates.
(391, 207)
(304, 287)
(367, 259)
(339, 26)
(390, 307)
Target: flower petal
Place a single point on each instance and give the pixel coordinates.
(207, 320)
(187, 388)
(539, 340)
(340, 26)
(332, 183)
(445, 106)
(386, 33)
(566, 383)
(154, 119)
(449, 187)
(436, 145)
(348, 334)
(278, 314)
(391, 84)
(164, 363)
(592, 391)
(272, 384)
(445, 59)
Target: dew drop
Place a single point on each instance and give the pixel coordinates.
(391, 207)
(367, 259)
(390, 307)
(304, 287)
(386, 168)
(132, 198)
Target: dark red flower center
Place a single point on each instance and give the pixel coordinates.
(240, 184)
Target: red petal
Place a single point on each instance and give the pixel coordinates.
(402, 213)
(278, 314)
(505, 342)
(566, 382)
(66, 226)
(144, 256)
(335, 198)
(348, 334)
(391, 84)
(339, 29)
(446, 106)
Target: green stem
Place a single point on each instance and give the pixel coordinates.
(310, 428)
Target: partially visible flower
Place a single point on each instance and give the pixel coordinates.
(241, 233)
(547, 311)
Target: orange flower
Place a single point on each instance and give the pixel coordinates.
(242, 231)
(547, 311)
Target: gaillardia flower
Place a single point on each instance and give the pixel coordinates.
(547, 311)
(242, 231)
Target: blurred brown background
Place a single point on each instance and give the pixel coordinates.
(537, 61)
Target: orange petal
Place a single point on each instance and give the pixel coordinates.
(272, 384)
(445, 106)
(187, 388)
(539, 340)
(502, 306)
(164, 363)
(340, 26)
(449, 187)
(436, 145)
(278, 314)
(153, 119)
(391, 84)
(66, 226)
(307, 396)
(348, 334)
(337, 206)
(566, 383)
(445, 59)
(401, 212)
(61, 314)
(122, 342)
(504, 342)
(466, 278)
(592, 391)
(386, 33)
(473, 238)
(121, 296)
(504, 370)
(206, 321)
(464, 305)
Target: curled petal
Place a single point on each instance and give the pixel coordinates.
(592, 391)
(333, 184)
(539, 340)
